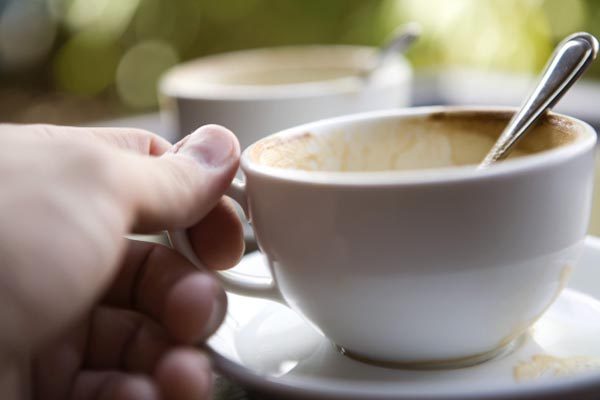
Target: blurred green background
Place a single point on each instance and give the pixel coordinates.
(69, 61)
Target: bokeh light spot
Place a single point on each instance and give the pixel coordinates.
(235, 9)
(27, 33)
(564, 17)
(106, 17)
(140, 69)
(84, 12)
(157, 20)
(86, 65)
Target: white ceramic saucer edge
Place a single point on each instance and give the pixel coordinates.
(585, 387)
(580, 387)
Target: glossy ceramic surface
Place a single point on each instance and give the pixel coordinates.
(439, 266)
(268, 348)
(194, 94)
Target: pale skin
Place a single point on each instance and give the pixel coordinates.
(101, 316)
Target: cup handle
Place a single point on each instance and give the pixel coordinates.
(234, 282)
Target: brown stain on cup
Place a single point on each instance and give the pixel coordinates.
(283, 152)
(550, 132)
(453, 137)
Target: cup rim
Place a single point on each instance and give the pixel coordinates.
(530, 163)
(359, 55)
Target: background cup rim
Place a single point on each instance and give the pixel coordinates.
(397, 72)
(537, 161)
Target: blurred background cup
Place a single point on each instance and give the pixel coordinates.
(98, 62)
(257, 92)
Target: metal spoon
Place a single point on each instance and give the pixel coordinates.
(568, 62)
(402, 38)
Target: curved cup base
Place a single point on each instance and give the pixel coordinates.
(452, 363)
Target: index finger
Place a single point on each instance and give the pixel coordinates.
(160, 283)
(137, 140)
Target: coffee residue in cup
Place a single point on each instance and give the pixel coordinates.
(397, 145)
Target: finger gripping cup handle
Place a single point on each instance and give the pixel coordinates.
(237, 191)
(234, 282)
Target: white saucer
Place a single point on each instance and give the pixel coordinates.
(268, 348)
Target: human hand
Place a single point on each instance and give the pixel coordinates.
(101, 316)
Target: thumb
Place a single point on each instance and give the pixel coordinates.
(179, 188)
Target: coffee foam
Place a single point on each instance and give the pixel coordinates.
(436, 141)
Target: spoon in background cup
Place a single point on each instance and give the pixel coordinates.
(570, 59)
(401, 39)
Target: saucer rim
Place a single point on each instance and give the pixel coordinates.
(323, 388)
(316, 387)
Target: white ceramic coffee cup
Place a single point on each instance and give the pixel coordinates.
(257, 92)
(423, 267)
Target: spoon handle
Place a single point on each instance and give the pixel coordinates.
(401, 39)
(570, 59)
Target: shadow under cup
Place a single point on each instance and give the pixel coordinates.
(379, 229)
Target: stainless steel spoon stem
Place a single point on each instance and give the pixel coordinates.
(401, 39)
(570, 59)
